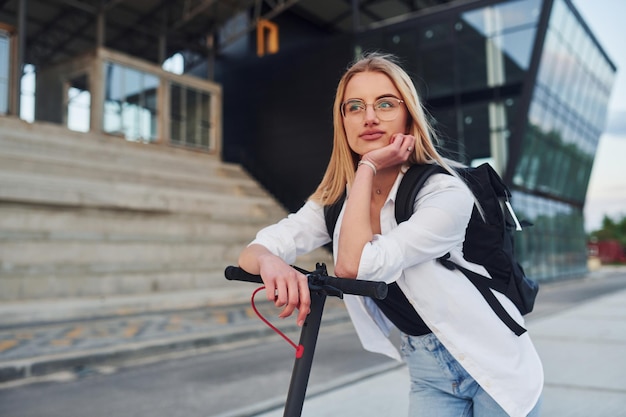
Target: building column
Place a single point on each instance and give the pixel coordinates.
(97, 88)
(100, 26)
(496, 76)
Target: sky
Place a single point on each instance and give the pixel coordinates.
(607, 186)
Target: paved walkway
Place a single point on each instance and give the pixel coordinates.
(583, 350)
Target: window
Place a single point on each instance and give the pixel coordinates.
(130, 107)
(190, 115)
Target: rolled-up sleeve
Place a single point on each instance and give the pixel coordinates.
(442, 211)
(297, 234)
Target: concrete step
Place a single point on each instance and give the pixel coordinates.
(22, 223)
(75, 286)
(205, 180)
(72, 191)
(33, 312)
(107, 279)
(119, 153)
(82, 252)
(56, 140)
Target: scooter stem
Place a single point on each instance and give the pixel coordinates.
(302, 366)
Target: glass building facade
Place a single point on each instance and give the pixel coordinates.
(523, 85)
(566, 117)
(520, 84)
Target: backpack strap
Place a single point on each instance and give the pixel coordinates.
(410, 185)
(482, 285)
(331, 214)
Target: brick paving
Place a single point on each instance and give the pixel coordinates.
(72, 340)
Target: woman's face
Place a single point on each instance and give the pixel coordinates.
(372, 112)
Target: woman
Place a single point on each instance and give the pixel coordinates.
(462, 360)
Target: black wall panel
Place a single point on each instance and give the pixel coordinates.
(278, 115)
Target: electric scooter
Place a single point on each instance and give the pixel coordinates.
(321, 285)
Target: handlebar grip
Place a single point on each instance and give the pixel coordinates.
(373, 289)
(237, 274)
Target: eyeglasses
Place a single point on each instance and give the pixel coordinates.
(386, 108)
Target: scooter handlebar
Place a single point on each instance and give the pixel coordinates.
(373, 289)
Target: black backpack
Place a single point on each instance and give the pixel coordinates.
(488, 242)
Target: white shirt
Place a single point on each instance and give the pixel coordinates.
(506, 366)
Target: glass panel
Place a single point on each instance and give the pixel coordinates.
(113, 99)
(192, 118)
(556, 244)
(130, 106)
(131, 111)
(445, 124)
(176, 113)
(511, 108)
(517, 47)
(570, 82)
(557, 17)
(132, 85)
(437, 66)
(472, 64)
(4, 72)
(546, 167)
(435, 33)
(79, 104)
(205, 119)
(490, 21)
(476, 131)
(4, 97)
(151, 84)
(27, 97)
(567, 27)
(403, 43)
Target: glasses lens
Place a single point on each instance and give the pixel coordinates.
(387, 108)
(353, 107)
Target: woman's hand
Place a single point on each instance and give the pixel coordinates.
(397, 152)
(285, 286)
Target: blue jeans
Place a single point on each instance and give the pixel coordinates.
(440, 387)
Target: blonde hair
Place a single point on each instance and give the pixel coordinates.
(343, 161)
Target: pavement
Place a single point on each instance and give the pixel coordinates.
(583, 349)
(582, 345)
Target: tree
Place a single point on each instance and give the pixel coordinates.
(611, 230)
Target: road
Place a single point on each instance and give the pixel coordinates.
(203, 385)
(217, 381)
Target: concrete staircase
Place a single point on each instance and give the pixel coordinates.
(94, 225)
